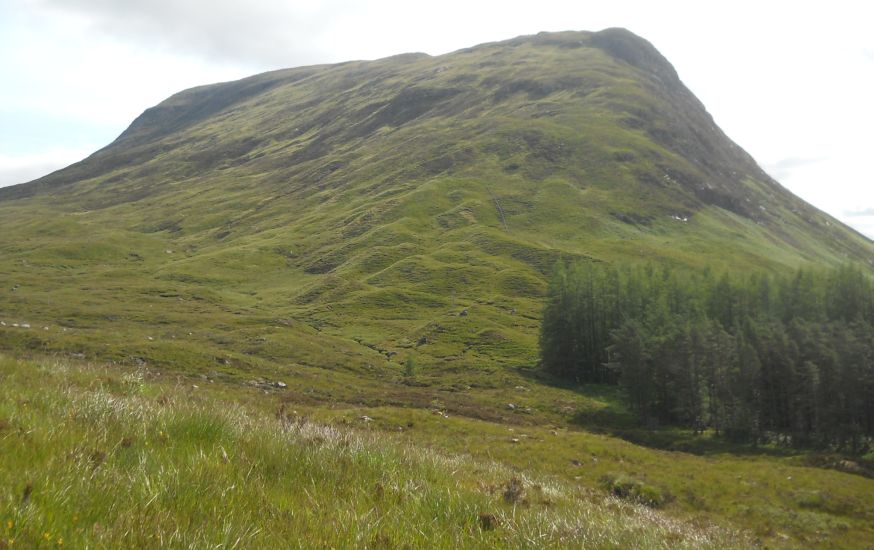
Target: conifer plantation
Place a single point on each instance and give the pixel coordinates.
(761, 358)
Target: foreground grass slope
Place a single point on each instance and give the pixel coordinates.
(102, 458)
(126, 456)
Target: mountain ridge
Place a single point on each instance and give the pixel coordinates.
(375, 200)
(212, 98)
(197, 104)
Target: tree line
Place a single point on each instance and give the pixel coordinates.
(755, 358)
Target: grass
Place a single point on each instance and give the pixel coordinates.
(92, 456)
(763, 491)
(208, 456)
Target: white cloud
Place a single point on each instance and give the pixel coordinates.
(70, 71)
(838, 186)
(784, 168)
(259, 33)
(16, 169)
(68, 91)
(864, 213)
(862, 224)
(862, 220)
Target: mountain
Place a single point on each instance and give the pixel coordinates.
(348, 216)
(364, 247)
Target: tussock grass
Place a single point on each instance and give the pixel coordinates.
(96, 458)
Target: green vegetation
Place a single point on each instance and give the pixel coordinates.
(757, 358)
(344, 216)
(98, 457)
(409, 368)
(116, 455)
(295, 240)
(628, 488)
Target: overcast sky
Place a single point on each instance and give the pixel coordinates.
(791, 82)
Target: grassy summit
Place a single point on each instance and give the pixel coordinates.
(320, 226)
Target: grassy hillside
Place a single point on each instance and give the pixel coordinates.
(348, 216)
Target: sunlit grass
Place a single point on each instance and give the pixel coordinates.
(91, 457)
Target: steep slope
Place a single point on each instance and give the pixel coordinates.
(351, 215)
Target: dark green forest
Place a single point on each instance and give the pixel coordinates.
(757, 358)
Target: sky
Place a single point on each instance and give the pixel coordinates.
(790, 82)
